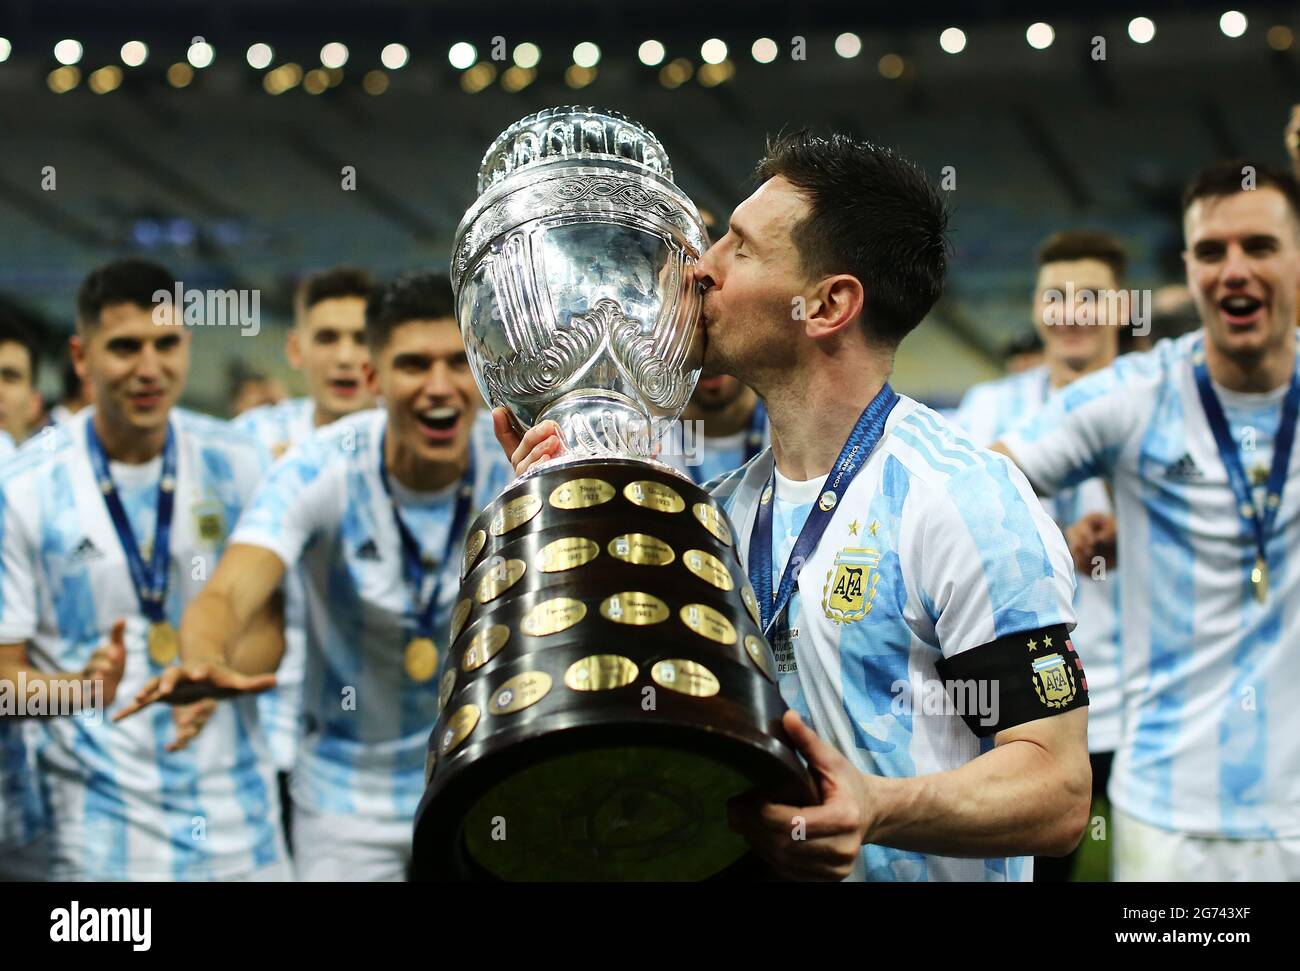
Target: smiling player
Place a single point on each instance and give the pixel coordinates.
(371, 512)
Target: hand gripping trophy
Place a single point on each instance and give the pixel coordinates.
(607, 688)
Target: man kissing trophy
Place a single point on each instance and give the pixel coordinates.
(608, 688)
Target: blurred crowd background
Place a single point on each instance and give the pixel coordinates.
(214, 138)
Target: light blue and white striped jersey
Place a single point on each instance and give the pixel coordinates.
(961, 553)
(279, 427)
(22, 815)
(1211, 729)
(323, 509)
(7, 446)
(717, 456)
(121, 807)
(987, 412)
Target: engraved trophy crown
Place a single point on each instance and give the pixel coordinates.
(575, 283)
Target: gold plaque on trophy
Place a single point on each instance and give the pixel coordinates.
(757, 652)
(600, 672)
(499, 579)
(713, 520)
(686, 677)
(654, 495)
(552, 616)
(707, 622)
(459, 614)
(565, 554)
(517, 693)
(634, 608)
(708, 568)
(484, 646)
(514, 514)
(641, 549)
(473, 547)
(458, 728)
(581, 494)
(751, 602)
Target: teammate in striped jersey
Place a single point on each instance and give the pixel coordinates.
(378, 603)
(328, 345)
(915, 559)
(1196, 438)
(22, 817)
(83, 508)
(1089, 267)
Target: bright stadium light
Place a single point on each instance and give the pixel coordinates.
(200, 54)
(394, 57)
(5, 48)
(713, 51)
(334, 55)
(67, 52)
(462, 55)
(260, 56)
(953, 40)
(651, 53)
(134, 53)
(764, 50)
(848, 44)
(1141, 30)
(1233, 23)
(1040, 36)
(527, 55)
(586, 54)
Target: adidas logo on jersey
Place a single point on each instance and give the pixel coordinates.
(85, 551)
(1184, 470)
(367, 551)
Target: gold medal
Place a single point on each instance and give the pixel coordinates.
(1259, 579)
(164, 643)
(421, 659)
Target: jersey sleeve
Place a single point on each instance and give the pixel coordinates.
(991, 561)
(17, 575)
(303, 493)
(1079, 434)
(997, 580)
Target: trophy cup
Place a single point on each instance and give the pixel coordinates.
(607, 688)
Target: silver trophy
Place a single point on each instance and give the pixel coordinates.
(575, 283)
(607, 687)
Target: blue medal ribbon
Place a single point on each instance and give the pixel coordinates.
(150, 581)
(1259, 522)
(861, 442)
(412, 558)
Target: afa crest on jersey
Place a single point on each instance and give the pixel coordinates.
(851, 582)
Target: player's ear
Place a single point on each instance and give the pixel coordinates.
(77, 350)
(293, 348)
(371, 377)
(836, 304)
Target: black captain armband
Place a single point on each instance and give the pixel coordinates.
(1015, 679)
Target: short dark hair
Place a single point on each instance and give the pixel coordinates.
(871, 213)
(411, 296)
(337, 281)
(1085, 244)
(122, 281)
(14, 330)
(1225, 178)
